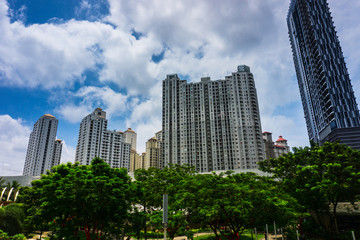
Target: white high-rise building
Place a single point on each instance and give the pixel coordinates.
(96, 141)
(212, 125)
(43, 150)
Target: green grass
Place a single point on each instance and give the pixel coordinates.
(245, 236)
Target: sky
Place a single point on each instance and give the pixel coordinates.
(66, 58)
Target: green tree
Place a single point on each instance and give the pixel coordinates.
(319, 177)
(2, 182)
(156, 182)
(12, 219)
(234, 203)
(80, 201)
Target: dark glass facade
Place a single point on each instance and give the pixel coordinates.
(326, 92)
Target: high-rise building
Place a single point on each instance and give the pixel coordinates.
(212, 125)
(96, 141)
(330, 109)
(153, 157)
(43, 150)
(130, 137)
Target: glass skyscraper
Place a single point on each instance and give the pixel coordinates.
(330, 109)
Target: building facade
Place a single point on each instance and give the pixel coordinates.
(274, 149)
(153, 153)
(330, 109)
(281, 147)
(96, 141)
(43, 150)
(131, 137)
(135, 161)
(212, 125)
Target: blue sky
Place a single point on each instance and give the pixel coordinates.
(68, 57)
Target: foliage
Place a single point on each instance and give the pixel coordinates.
(5, 236)
(243, 237)
(2, 182)
(12, 218)
(319, 177)
(236, 202)
(80, 201)
(156, 182)
(14, 184)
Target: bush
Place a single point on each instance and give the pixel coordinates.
(5, 236)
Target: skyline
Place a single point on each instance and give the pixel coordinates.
(68, 58)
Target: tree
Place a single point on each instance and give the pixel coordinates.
(80, 201)
(238, 202)
(156, 182)
(2, 182)
(12, 219)
(319, 177)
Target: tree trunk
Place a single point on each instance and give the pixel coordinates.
(215, 231)
(335, 218)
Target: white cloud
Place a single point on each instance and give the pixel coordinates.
(294, 130)
(73, 113)
(146, 118)
(199, 38)
(13, 144)
(112, 102)
(67, 153)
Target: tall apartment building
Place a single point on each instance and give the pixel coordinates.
(130, 137)
(330, 109)
(153, 156)
(135, 161)
(43, 150)
(96, 141)
(212, 125)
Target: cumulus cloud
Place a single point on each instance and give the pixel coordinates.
(114, 103)
(192, 38)
(67, 153)
(13, 144)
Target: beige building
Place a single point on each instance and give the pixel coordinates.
(142, 160)
(281, 147)
(135, 161)
(130, 137)
(274, 150)
(152, 156)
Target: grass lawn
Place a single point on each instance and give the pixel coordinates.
(245, 236)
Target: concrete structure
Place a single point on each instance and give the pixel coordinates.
(281, 147)
(212, 125)
(43, 151)
(22, 180)
(153, 154)
(330, 108)
(96, 141)
(135, 161)
(130, 137)
(268, 145)
(274, 150)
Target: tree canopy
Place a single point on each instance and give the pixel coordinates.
(73, 200)
(319, 177)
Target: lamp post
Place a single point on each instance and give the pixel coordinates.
(165, 214)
